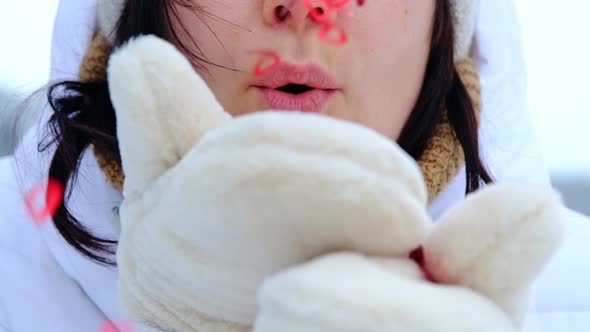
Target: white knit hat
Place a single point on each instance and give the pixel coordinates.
(464, 16)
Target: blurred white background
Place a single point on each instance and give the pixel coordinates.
(25, 33)
(25, 36)
(557, 50)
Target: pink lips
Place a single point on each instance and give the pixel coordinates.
(323, 84)
(311, 101)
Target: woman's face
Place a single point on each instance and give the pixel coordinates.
(373, 79)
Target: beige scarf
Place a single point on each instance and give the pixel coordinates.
(440, 162)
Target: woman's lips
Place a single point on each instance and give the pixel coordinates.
(312, 75)
(312, 101)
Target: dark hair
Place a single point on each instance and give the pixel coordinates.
(442, 90)
(84, 116)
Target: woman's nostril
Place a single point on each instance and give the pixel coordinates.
(317, 14)
(281, 13)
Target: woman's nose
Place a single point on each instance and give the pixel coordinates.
(292, 13)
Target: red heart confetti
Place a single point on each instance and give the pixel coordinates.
(336, 4)
(330, 32)
(333, 34)
(349, 13)
(117, 326)
(267, 62)
(53, 199)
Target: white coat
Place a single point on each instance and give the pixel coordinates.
(47, 286)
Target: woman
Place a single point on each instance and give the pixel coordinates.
(396, 75)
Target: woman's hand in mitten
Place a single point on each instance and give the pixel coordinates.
(496, 242)
(215, 204)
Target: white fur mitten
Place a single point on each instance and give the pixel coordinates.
(214, 205)
(483, 254)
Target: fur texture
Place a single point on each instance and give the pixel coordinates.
(219, 210)
(347, 292)
(375, 181)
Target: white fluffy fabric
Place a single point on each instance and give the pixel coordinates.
(347, 292)
(209, 198)
(362, 194)
(480, 242)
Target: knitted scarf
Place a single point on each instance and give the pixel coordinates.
(441, 161)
